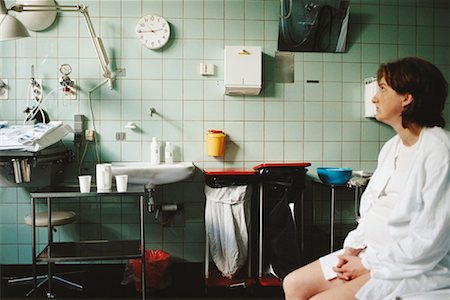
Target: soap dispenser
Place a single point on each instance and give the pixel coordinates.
(154, 152)
(168, 153)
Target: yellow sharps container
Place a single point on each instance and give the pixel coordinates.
(215, 142)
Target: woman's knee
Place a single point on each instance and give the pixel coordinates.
(294, 285)
(290, 284)
(306, 282)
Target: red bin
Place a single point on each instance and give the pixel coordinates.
(157, 263)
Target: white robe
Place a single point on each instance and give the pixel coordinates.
(419, 258)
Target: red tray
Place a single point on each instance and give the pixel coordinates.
(282, 165)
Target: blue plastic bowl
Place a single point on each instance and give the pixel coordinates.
(334, 176)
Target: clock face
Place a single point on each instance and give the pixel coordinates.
(153, 31)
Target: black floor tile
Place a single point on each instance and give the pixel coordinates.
(104, 282)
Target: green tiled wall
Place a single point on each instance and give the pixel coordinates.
(321, 123)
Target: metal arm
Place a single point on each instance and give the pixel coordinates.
(96, 41)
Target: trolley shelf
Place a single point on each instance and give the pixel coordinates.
(241, 280)
(269, 281)
(91, 250)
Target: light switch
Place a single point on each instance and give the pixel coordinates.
(206, 69)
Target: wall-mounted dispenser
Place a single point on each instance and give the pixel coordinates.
(370, 86)
(243, 70)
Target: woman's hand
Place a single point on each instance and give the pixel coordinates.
(347, 252)
(349, 267)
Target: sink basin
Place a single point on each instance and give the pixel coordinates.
(151, 175)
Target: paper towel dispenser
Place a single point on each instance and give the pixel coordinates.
(243, 70)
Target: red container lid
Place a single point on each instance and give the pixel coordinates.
(215, 131)
(228, 171)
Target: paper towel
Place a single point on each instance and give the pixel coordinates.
(370, 89)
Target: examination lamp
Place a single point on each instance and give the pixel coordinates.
(40, 16)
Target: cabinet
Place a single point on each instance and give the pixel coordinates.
(86, 250)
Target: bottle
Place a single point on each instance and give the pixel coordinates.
(168, 153)
(154, 152)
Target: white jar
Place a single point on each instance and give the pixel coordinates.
(168, 153)
(155, 158)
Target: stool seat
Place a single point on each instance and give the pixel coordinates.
(58, 218)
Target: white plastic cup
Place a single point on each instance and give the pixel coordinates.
(85, 183)
(121, 183)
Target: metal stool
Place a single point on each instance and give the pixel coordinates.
(58, 218)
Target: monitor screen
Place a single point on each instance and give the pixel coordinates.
(313, 26)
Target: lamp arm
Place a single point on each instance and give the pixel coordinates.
(42, 7)
(96, 41)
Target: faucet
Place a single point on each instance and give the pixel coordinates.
(151, 199)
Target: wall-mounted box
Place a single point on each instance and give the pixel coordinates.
(370, 88)
(243, 70)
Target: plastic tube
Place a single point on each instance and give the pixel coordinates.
(37, 108)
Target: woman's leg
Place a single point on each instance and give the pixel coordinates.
(306, 282)
(345, 291)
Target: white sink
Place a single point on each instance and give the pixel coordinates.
(151, 175)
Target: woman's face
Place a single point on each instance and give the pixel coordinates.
(389, 104)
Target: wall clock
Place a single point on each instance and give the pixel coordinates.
(153, 31)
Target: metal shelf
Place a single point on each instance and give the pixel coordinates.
(90, 250)
(73, 191)
(86, 250)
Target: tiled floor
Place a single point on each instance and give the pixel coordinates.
(103, 282)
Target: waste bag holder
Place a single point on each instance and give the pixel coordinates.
(291, 177)
(218, 178)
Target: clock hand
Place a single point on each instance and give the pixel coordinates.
(150, 30)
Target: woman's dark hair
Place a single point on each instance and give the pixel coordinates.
(425, 83)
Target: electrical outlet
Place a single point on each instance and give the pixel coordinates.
(120, 136)
(37, 90)
(89, 135)
(4, 94)
(121, 72)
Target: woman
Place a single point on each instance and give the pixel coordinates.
(402, 242)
